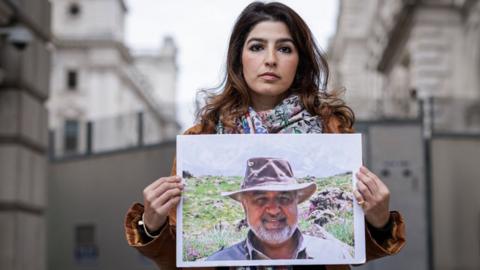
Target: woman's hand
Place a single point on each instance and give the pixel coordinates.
(158, 198)
(373, 196)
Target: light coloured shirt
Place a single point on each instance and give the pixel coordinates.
(308, 247)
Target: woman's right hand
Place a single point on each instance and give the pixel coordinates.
(158, 198)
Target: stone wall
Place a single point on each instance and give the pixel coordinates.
(24, 88)
(391, 54)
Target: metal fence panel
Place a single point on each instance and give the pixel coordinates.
(395, 152)
(456, 200)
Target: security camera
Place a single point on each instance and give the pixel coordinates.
(18, 36)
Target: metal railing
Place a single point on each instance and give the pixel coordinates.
(111, 134)
(443, 115)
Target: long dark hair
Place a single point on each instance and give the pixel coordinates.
(310, 82)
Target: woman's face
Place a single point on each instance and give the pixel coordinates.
(269, 61)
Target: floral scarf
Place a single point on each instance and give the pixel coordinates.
(287, 117)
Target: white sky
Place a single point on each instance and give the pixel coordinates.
(308, 154)
(201, 30)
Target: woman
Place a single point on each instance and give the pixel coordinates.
(275, 83)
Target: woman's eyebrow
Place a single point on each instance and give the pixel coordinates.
(262, 40)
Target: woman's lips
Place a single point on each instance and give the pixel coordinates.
(269, 76)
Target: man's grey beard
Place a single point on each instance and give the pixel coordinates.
(275, 237)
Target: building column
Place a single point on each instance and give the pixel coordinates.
(435, 46)
(24, 87)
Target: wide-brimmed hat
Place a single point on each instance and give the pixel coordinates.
(271, 174)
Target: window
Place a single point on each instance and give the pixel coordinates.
(85, 235)
(71, 133)
(72, 79)
(74, 9)
(86, 250)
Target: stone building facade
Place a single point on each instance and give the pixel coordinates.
(24, 89)
(391, 54)
(95, 78)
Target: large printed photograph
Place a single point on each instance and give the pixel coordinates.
(269, 200)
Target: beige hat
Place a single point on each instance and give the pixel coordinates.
(271, 174)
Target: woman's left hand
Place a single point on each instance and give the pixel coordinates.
(373, 196)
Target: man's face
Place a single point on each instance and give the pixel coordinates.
(272, 215)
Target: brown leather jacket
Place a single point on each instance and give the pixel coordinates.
(162, 249)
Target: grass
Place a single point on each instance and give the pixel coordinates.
(203, 245)
(342, 228)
